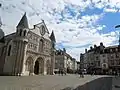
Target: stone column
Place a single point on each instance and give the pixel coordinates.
(52, 62)
(17, 58)
(23, 58)
(32, 69)
(44, 67)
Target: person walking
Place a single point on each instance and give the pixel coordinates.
(80, 73)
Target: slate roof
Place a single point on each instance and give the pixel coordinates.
(23, 22)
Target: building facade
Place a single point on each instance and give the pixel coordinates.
(64, 61)
(27, 51)
(102, 59)
(78, 66)
(92, 59)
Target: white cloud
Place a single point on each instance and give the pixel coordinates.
(110, 10)
(71, 29)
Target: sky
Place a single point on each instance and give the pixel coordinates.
(77, 24)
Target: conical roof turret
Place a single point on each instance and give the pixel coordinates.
(52, 37)
(23, 22)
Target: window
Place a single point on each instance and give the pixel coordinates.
(20, 32)
(98, 63)
(41, 45)
(112, 56)
(25, 33)
(103, 55)
(9, 50)
(97, 58)
(117, 56)
(112, 62)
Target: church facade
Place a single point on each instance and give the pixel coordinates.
(28, 51)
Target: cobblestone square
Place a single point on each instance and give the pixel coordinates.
(53, 82)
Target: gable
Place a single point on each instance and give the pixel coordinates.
(41, 30)
(42, 24)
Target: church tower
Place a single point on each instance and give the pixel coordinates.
(22, 26)
(53, 41)
(21, 44)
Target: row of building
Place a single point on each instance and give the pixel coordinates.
(31, 51)
(64, 61)
(101, 59)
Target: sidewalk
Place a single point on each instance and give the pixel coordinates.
(55, 82)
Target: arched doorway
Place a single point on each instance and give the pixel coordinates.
(36, 67)
(29, 65)
(39, 66)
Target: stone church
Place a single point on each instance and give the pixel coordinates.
(27, 51)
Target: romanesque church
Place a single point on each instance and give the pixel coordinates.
(28, 51)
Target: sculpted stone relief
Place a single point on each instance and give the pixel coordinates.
(35, 43)
(42, 30)
(32, 46)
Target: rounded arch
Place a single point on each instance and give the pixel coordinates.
(29, 64)
(36, 67)
(39, 66)
(41, 45)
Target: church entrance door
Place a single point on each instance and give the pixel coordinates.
(36, 68)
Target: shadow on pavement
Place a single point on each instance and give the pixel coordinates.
(103, 83)
(68, 88)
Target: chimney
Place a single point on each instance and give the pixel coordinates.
(101, 44)
(91, 48)
(64, 50)
(95, 46)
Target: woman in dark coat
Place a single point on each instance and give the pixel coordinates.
(81, 73)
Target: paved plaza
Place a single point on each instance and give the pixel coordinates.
(53, 82)
(116, 83)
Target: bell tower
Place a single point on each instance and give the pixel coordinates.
(53, 41)
(21, 44)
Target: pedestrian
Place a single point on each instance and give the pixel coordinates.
(80, 72)
(59, 72)
(62, 72)
(65, 71)
(91, 73)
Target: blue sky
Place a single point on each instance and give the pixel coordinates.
(77, 24)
